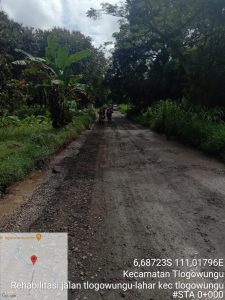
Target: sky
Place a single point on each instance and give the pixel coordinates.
(70, 14)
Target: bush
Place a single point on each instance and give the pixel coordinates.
(193, 126)
(124, 108)
(26, 146)
(215, 142)
(33, 110)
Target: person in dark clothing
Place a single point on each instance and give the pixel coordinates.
(109, 114)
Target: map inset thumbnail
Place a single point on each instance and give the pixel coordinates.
(33, 266)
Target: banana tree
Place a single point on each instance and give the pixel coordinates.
(59, 79)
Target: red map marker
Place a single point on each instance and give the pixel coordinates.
(33, 259)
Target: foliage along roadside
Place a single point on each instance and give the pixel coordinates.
(193, 126)
(23, 148)
(167, 50)
(57, 80)
(22, 86)
(123, 108)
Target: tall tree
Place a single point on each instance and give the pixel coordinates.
(170, 48)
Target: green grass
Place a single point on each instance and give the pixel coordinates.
(124, 108)
(202, 129)
(24, 148)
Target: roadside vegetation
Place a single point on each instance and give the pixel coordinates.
(193, 126)
(171, 50)
(26, 144)
(123, 108)
(49, 84)
(168, 50)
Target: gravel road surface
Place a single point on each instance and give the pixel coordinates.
(122, 193)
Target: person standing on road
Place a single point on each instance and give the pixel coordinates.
(109, 114)
(101, 116)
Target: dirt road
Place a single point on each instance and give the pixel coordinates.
(129, 193)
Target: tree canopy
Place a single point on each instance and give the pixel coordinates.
(62, 50)
(168, 49)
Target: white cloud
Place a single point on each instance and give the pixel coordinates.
(100, 30)
(37, 13)
(71, 14)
